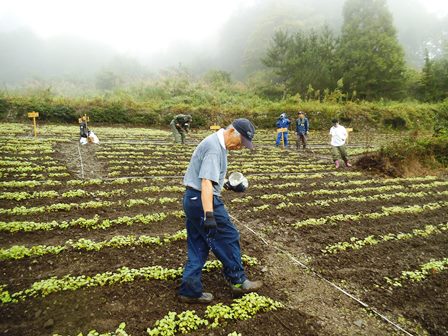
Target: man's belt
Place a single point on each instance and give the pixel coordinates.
(282, 130)
(191, 188)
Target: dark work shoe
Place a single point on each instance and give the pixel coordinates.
(204, 298)
(246, 287)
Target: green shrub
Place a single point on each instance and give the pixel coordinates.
(156, 106)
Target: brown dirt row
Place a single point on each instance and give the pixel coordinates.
(319, 237)
(313, 239)
(371, 264)
(56, 237)
(104, 211)
(130, 194)
(20, 274)
(424, 301)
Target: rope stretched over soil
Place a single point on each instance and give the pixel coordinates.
(365, 305)
(182, 176)
(80, 158)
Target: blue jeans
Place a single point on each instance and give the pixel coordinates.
(279, 138)
(225, 244)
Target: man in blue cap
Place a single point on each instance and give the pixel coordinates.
(209, 226)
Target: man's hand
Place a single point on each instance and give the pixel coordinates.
(227, 186)
(209, 221)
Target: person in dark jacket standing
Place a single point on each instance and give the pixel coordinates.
(180, 125)
(302, 128)
(83, 129)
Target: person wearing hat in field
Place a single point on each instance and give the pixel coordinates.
(302, 127)
(209, 226)
(282, 129)
(338, 135)
(180, 125)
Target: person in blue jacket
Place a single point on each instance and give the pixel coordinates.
(302, 127)
(282, 129)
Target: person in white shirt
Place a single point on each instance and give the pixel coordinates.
(338, 135)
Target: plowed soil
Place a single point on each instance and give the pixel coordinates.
(313, 306)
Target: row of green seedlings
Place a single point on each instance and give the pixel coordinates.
(15, 160)
(153, 148)
(54, 284)
(33, 176)
(345, 184)
(25, 162)
(93, 223)
(171, 169)
(152, 172)
(348, 174)
(15, 167)
(26, 169)
(254, 160)
(358, 243)
(330, 202)
(169, 151)
(146, 164)
(23, 166)
(26, 148)
(72, 131)
(24, 211)
(9, 129)
(215, 316)
(163, 163)
(78, 193)
(142, 154)
(30, 150)
(276, 169)
(425, 270)
(84, 183)
(120, 331)
(381, 188)
(81, 193)
(300, 176)
(163, 200)
(351, 199)
(386, 211)
(125, 181)
(18, 196)
(361, 199)
(16, 252)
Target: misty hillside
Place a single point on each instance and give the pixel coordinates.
(236, 48)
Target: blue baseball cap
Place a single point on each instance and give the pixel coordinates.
(247, 131)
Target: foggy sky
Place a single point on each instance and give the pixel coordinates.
(75, 41)
(135, 27)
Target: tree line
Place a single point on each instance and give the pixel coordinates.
(365, 61)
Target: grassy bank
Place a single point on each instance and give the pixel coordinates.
(156, 107)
